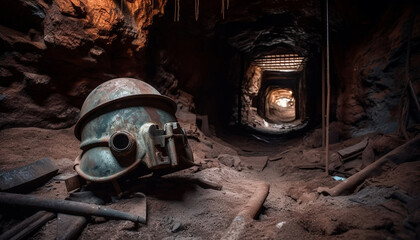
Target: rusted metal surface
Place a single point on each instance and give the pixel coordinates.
(26, 177)
(27, 226)
(126, 124)
(65, 206)
(121, 91)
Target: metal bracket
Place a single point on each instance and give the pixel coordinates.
(161, 144)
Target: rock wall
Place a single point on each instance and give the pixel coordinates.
(250, 88)
(53, 53)
(370, 66)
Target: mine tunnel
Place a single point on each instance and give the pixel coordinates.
(199, 119)
(277, 99)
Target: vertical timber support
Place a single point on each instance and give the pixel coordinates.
(323, 48)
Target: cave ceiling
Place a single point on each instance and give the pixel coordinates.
(255, 28)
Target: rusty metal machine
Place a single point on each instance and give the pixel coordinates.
(126, 125)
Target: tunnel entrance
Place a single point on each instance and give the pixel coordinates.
(280, 105)
(274, 94)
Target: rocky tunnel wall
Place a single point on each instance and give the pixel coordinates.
(370, 71)
(53, 53)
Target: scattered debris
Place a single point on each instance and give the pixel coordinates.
(27, 177)
(338, 178)
(368, 213)
(177, 226)
(260, 138)
(280, 225)
(301, 194)
(27, 226)
(208, 163)
(279, 156)
(230, 161)
(372, 196)
(256, 162)
(211, 154)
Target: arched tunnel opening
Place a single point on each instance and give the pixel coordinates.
(229, 119)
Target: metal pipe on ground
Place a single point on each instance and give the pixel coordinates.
(65, 206)
(248, 212)
(403, 153)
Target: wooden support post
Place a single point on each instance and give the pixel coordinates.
(323, 48)
(327, 120)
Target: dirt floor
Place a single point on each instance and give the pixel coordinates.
(180, 209)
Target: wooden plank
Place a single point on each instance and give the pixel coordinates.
(27, 177)
(72, 181)
(69, 227)
(346, 152)
(279, 156)
(28, 225)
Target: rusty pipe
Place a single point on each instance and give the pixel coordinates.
(405, 152)
(122, 143)
(257, 199)
(65, 206)
(248, 212)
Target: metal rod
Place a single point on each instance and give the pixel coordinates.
(323, 48)
(65, 206)
(327, 120)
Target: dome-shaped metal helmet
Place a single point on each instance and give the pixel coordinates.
(126, 124)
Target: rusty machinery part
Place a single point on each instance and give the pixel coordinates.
(122, 143)
(125, 124)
